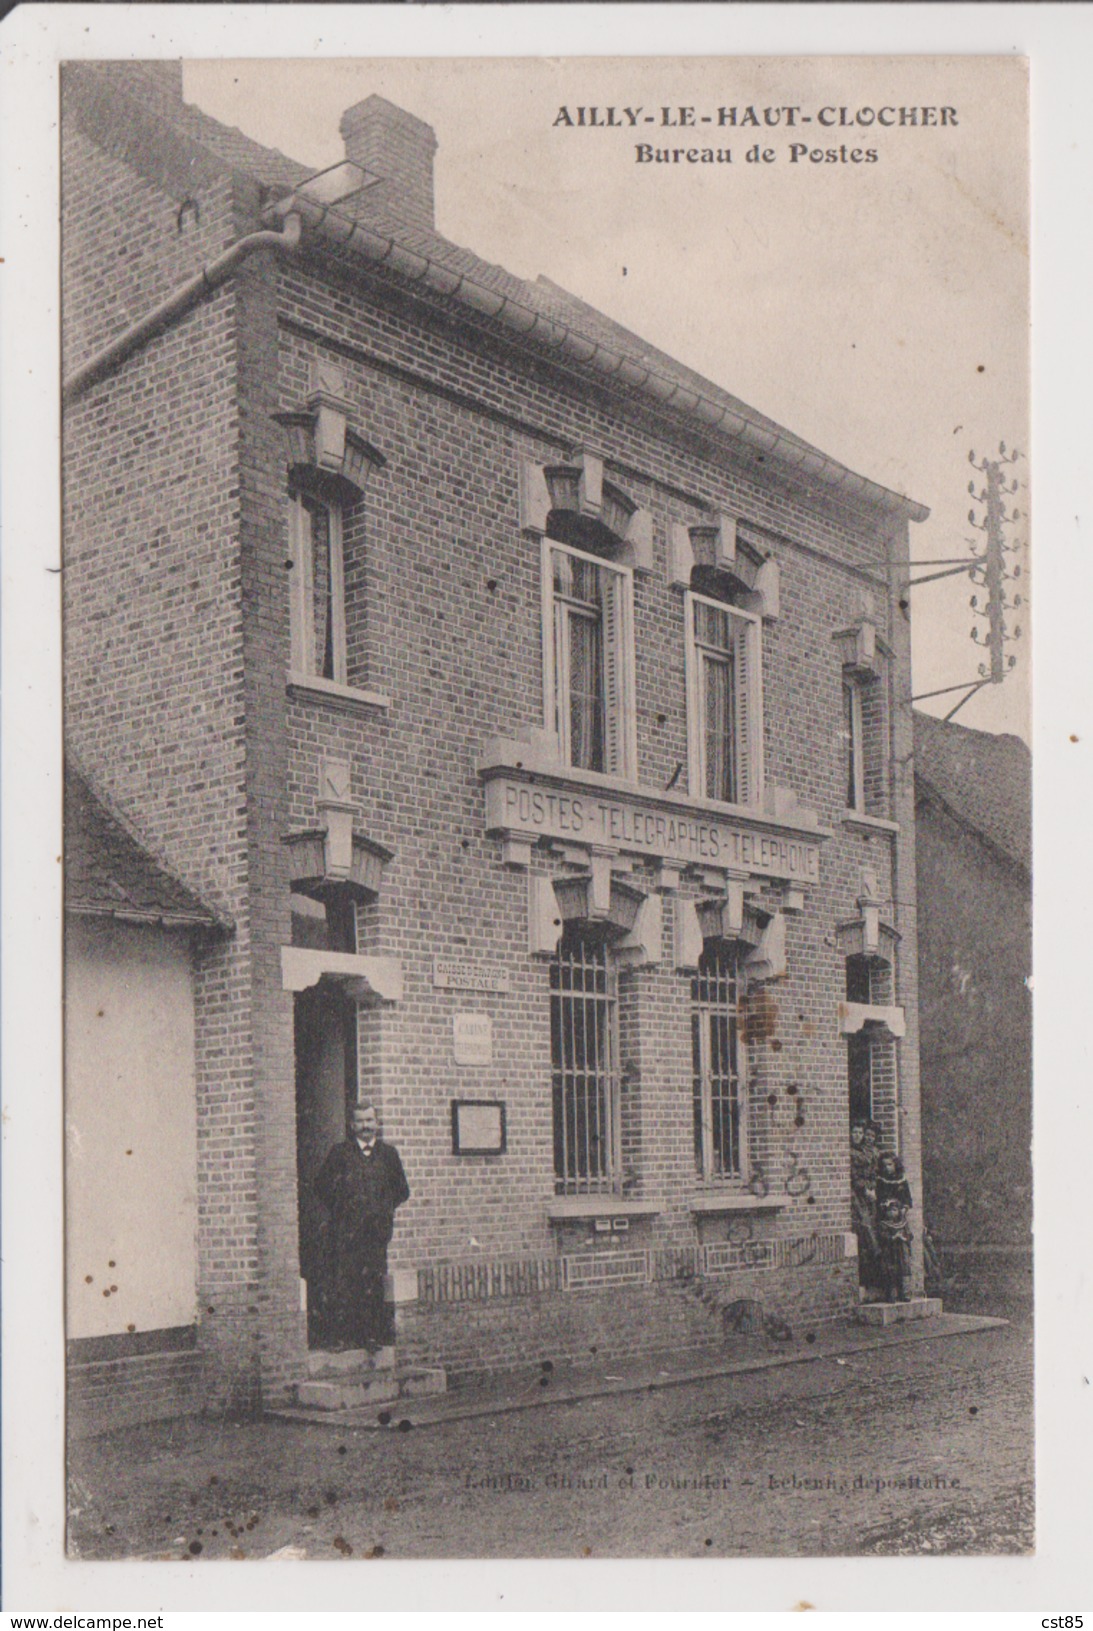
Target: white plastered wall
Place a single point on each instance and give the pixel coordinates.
(130, 1123)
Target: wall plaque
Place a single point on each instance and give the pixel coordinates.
(478, 1127)
(472, 1039)
(468, 974)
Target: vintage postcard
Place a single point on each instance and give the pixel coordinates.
(547, 874)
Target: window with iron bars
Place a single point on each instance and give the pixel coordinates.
(718, 1066)
(584, 1055)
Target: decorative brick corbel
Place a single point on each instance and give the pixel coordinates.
(637, 550)
(858, 646)
(641, 947)
(544, 917)
(681, 556)
(534, 497)
(687, 939)
(768, 960)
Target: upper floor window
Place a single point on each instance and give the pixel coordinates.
(318, 588)
(724, 701)
(852, 736)
(588, 659)
(864, 731)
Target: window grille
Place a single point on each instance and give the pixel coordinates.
(584, 1052)
(718, 1073)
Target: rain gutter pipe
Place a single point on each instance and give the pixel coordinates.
(190, 294)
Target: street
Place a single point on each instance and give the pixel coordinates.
(923, 1448)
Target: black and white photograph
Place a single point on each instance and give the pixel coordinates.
(545, 583)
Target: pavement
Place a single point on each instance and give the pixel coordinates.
(554, 1383)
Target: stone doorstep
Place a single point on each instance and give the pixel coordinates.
(919, 1308)
(320, 1362)
(505, 1392)
(350, 1390)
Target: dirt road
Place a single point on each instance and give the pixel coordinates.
(925, 1448)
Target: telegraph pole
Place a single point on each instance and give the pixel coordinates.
(988, 570)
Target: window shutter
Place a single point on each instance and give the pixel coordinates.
(742, 731)
(613, 677)
(302, 625)
(620, 756)
(748, 662)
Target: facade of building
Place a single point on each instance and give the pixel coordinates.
(532, 709)
(974, 864)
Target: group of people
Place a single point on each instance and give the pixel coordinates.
(881, 1201)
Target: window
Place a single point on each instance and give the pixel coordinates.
(870, 1058)
(717, 1065)
(584, 1054)
(588, 660)
(863, 743)
(852, 734)
(318, 589)
(724, 701)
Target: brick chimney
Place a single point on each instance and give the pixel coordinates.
(398, 147)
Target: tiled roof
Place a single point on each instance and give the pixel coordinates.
(111, 93)
(984, 780)
(109, 873)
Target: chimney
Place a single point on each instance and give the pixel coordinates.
(398, 147)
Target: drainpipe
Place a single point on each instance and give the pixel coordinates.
(190, 294)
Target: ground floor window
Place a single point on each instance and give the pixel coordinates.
(717, 1075)
(859, 1052)
(584, 1058)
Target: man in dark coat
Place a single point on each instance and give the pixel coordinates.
(360, 1183)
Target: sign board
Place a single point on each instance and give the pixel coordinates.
(478, 1127)
(671, 832)
(467, 974)
(472, 1039)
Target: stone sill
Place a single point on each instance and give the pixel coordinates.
(313, 688)
(857, 818)
(737, 1200)
(563, 1208)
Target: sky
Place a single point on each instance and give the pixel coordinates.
(878, 309)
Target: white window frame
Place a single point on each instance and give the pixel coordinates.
(620, 714)
(305, 660)
(749, 699)
(854, 761)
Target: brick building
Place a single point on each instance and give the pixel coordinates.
(973, 809)
(531, 709)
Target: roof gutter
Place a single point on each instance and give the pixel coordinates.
(198, 288)
(732, 422)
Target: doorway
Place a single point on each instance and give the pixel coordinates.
(326, 1084)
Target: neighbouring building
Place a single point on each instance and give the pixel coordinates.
(973, 809)
(532, 717)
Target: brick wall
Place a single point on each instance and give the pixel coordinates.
(976, 1037)
(103, 1394)
(177, 651)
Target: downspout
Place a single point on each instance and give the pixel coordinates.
(190, 294)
